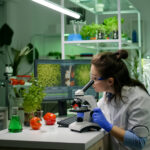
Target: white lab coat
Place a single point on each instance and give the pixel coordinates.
(133, 114)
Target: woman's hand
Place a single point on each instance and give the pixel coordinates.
(99, 118)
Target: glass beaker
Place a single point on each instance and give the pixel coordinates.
(15, 123)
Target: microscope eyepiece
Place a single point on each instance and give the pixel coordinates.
(87, 85)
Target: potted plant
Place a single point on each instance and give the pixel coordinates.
(112, 26)
(84, 32)
(89, 31)
(32, 99)
(101, 31)
(93, 31)
(27, 52)
(55, 55)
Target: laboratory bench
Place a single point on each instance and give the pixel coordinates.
(52, 137)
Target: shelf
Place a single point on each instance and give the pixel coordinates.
(103, 44)
(109, 7)
(105, 6)
(27, 84)
(92, 41)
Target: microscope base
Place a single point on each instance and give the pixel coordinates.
(84, 126)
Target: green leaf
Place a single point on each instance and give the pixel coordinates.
(33, 96)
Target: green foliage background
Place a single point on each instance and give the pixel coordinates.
(49, 74)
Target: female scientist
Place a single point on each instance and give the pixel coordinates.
(124, 110)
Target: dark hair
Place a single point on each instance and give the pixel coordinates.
(110, 64)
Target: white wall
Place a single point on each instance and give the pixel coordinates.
(28, 18)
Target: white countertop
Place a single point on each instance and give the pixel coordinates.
(50, 137)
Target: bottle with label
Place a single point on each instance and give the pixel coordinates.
(15, 123)
(134, 36)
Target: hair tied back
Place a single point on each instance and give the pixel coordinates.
(121, 54)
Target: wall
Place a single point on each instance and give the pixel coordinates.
(143, 7)
(2, 60)
(28, 18)
(2, 13)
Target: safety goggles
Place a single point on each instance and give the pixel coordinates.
(92, 77)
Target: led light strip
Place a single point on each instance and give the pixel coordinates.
(58, 8)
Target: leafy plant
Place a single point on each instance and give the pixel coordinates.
(55, 54)
(19, 55)
(111, 23)
(85, 32)
(33, 96)
(93, 29)
(133, 64)
(101, 31)
(30, 57)
(27, 52)
(102, 28)
(88, 31)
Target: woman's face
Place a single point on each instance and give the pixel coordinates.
(101, 85)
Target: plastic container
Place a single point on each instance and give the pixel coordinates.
(74, 37)
(26, 78)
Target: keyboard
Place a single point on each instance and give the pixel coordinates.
(67, 121)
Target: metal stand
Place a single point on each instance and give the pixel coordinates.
(7, 93)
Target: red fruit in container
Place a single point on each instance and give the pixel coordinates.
(21, 82)
(49, 118)
(13, 81)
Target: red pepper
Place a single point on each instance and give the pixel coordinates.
(35, 123)
(49, 118)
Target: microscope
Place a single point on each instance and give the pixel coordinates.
(83, 106)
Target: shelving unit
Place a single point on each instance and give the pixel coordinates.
(113, 7)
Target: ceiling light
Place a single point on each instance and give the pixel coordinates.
(58, 8)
